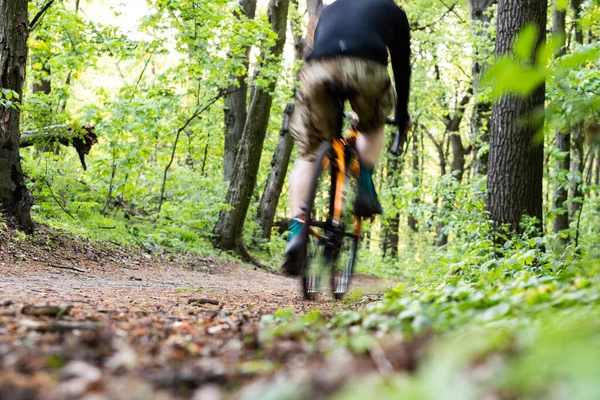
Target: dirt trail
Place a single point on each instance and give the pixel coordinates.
(129, 325)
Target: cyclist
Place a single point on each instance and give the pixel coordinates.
(351, 44)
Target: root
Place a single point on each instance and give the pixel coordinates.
(247, 257)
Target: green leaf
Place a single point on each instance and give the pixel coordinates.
(525, 43)
(561, 5)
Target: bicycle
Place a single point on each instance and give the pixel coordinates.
(331, 230)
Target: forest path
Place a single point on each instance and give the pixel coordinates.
(138, 325)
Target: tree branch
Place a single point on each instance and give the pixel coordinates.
(39, 15)
(82, 139)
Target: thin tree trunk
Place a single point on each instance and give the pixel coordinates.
(458, 157)
(453, 126)
(480, 118)
(578, 137)
(235, 112)
(279, 167)
(563, 139)
(516, 157)
(598, 168)
(413, 224)
(15, 198)
(229, 227)
(285, 144)
(391, 225)
(282, 155)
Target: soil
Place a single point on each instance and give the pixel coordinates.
(96, 321)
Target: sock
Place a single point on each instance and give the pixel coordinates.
(294, 227)
(365, 180)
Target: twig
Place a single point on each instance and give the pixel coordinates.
(204, 159)
(67, 267)
(39, 15)
(203, 301)
(59, 326)
(138, 241)
(58, 201)
(247, 257)
(423, 27)
(140, 78)
(451, 9)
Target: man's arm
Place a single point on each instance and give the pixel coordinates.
(400, 54)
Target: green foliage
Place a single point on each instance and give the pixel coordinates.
(554, 357)
(154, 98)
(9, 99)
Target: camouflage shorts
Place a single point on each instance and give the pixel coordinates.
(316, 117)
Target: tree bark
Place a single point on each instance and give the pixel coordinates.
(597, 180)
(578, 137)
(229, 227)
(516, 154)
(15, 198)
(235, 111)
(563, 139)
(283, 151)
(391, 224)
(453, 126)
(279, 167)
(413, 224)
(480, 118)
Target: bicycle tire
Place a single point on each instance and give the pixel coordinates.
(326, 252)
(311, 273)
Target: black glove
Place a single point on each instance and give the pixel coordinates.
(399, 142)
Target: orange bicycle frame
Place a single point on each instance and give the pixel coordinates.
(339, 148)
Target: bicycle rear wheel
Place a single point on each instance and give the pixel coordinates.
(342, 266)
(329, 244)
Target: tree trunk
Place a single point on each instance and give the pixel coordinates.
(578, 137)
(391, 225)
(516, 154)
(563, 139)
(480, 22)
(15, 198)
(453, 126)
(283, 151)
(229, 228)
(577, 166)
(279, 167)
(597, 180)
(413, 224)
(235, 112)
(314, 8)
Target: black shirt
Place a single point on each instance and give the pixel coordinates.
(368, 29)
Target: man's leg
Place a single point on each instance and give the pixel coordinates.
(369, 147)
(300, 181)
